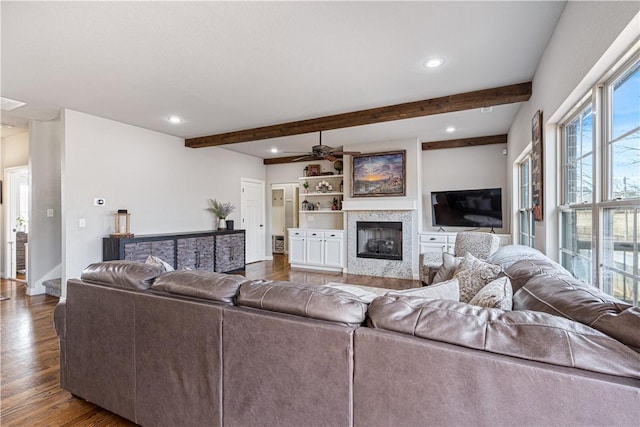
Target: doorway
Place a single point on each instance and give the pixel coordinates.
(16, 222)
(284, 215)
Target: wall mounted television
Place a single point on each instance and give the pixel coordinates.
(467, 208)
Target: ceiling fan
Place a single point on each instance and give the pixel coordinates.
(324, 152)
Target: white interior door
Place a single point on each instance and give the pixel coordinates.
(252, 210)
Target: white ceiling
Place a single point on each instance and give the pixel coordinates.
(225, 66)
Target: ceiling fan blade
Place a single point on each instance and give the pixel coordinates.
(349, 153)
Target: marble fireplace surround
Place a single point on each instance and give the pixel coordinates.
(380, 267)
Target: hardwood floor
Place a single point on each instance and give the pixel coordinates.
(30, 393)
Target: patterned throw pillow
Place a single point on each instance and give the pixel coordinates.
(473, 275)
(154, 260)
(450, 264)
(497, 294)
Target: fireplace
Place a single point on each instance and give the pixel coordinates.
(379, 240)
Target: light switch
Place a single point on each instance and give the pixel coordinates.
(49, 213)
(82, 222)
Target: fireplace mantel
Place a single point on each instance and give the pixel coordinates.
(379, 205)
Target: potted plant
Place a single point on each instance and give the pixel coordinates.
(221, 210)
(21, 224)
(306, 186)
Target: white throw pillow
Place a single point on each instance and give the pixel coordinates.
(365, 293)
(449, 290)
(154, 260)
(473, 274)
(496, 294)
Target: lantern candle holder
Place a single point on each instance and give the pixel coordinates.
(122, 224)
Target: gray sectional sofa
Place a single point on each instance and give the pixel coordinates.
(206, 349)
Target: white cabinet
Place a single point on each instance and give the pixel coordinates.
(333, 249)
(439, 242)
(316, 249)
(297, 250)
(434, 245)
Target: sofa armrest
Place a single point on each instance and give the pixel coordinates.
(60, 319)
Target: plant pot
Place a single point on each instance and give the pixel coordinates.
(222, 224)
(229, 224)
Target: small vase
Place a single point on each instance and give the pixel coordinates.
(222, 224)
(229, 224)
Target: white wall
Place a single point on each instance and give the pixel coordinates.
(163, 184)
(15, 150)
(45, 233)
(588, 38)
(465, 168)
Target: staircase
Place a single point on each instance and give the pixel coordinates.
(53, 287)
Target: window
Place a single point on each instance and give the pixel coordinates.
(525, 208)
(600, 212)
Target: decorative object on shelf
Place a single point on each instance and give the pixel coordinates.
(306, 186)
(221, 211)
(314, 170)
(335, 204)
(229, 223)
(305, 205)
(326, 173)
(536, 166)
(338, 165)
(122, 224)
(305, 171)
(378, 174)
(323, 187)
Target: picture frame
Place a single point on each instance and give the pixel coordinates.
(379, 174)
(314, 170)
(537, 182)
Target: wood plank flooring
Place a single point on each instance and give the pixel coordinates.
(30, 393)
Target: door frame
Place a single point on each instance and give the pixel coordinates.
(9, 200)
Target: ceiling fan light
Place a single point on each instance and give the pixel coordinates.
(175, 120)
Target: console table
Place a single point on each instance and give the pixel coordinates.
(221, 251)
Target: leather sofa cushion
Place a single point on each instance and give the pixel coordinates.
(508, 255)
(520, 272)
(317, 302)
(122, 274)
(524, 334)
(207, 285)
(566, 296)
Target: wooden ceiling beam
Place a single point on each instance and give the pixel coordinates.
(464, 101)
(465, 142)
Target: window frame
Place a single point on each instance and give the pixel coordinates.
(603, 201)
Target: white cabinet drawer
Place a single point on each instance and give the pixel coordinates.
(333, 235)
(433, 238)
(297, 233)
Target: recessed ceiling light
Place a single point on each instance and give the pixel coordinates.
(450, 129)
(274, 150)
(433, 62)
(175, 120)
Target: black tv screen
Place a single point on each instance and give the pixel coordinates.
(467, 208)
